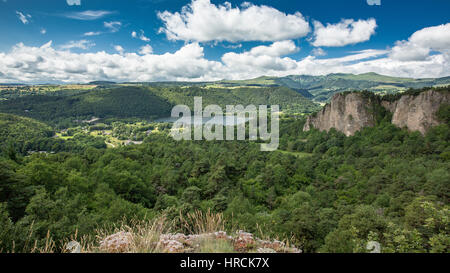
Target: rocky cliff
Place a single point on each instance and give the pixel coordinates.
(347, 113)
(417, 113)
(350, 112)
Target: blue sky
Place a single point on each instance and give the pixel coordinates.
(207, 40)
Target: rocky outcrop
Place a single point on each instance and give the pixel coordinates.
(417, 113)
(241, 242)
(350, 112)
(117, 243)
(347, 113)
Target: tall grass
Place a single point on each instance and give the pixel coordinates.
(199, 222)
(144, 236)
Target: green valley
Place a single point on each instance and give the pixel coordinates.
(321, 191)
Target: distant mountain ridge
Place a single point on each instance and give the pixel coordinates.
(316, 88)
(322, 88)
(102, 82)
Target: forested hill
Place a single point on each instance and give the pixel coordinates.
(15, 129)
(288, 99)
(122, 102)
(145, 102)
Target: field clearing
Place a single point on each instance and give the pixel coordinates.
(387, 86)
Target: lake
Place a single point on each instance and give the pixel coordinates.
(227, 120)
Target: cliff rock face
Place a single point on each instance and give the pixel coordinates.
(417, 113)
(346, 113)
(349, 113)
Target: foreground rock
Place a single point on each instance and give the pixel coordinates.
(243, 242)
(117, 243)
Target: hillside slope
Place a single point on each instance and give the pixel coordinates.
(288, 99)
(121, 102)
(16, 130)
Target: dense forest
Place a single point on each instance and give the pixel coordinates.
(64, 109)
(290, 101)
(325, 192)
(104, 103)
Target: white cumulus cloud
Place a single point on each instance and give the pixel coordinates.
(261, 60)
(343, 33)
(145, 50)
(275, 50)
(318, 52)
(119, 49)
(422, 42)
(36, 64)
(46, 64)
(203, 21)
